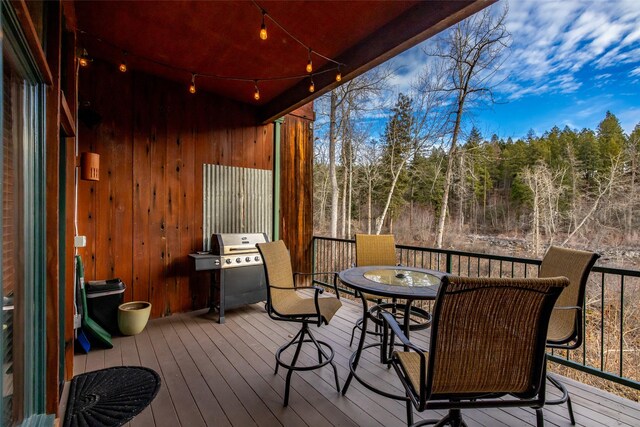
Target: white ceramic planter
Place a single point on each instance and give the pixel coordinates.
(133, 317)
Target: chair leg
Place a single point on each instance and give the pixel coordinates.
(283, 348)
(293, 363)
(565, 397)
(409, 413)
(353, 331)
(570, 408)
(539, 418)
(326, 356)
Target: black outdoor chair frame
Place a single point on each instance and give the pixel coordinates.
(422, 400)
(325, 351)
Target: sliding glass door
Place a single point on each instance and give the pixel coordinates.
(23, 222)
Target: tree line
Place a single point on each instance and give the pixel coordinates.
(565, 186)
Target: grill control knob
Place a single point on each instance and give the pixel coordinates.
(238, 260)
(228, 260)
(248, 259)
(256, 258)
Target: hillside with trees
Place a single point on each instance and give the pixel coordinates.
(431, 178)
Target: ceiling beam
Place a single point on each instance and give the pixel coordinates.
(412, 27)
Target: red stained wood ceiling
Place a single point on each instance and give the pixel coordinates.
(221, 38)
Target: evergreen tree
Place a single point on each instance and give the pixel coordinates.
(397, 150)
(611, 140)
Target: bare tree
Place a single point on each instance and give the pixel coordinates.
(546, 187)
(371, 170)
(471, 52)
(346, 103)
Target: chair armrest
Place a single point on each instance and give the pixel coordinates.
(390, 321)
(335, 279)
(569, 307)
(295, 288)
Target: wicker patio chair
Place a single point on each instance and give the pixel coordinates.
(565, 326)
(286, 304)
(380, 250)
(487, 347)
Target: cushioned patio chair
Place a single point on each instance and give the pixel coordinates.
(286, 304)
(380, 250)
(565, 326)
(487, 347)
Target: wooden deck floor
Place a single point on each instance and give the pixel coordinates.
(222, 375)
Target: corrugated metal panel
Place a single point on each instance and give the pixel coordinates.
(236, 200)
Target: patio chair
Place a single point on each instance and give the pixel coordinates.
(284, 303)
(487, 347)
(565, 326)
(380, 249)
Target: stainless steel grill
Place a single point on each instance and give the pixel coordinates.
(236, 250)
(238, 278)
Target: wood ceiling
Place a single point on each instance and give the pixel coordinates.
(172, 39)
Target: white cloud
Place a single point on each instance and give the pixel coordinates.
(553, 41)
(635, 71)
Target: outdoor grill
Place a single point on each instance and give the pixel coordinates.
(238, 276)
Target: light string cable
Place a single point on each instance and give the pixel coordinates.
(192, 74)
(264, 12)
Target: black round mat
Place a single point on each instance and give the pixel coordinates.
(110, 397)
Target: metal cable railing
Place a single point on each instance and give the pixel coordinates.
(611, 318)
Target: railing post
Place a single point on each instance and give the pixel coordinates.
(314, 243)
(449, 262)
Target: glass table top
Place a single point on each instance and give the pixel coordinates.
(400, 277)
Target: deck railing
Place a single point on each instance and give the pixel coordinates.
(611, 319)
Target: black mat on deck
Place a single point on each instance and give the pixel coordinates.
(110, 397)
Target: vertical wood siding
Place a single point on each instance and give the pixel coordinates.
(144, 216)
(296, 188)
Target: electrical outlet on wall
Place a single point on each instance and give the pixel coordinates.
(77, 321)
(80, 241)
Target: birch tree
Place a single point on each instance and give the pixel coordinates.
(472, 53)
(347, 103)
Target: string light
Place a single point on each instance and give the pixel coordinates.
(84, 61)
(192, 88)
(309, 63)
(123, 64)
(263, 28)
(256, 94)
(84, 58)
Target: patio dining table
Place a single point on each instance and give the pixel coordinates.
(396, 282)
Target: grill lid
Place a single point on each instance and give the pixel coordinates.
(236, 243)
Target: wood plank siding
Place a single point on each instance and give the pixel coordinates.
(222, 375)
(144, 216)
(296, 186)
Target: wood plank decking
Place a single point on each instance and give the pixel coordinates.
(222, 375)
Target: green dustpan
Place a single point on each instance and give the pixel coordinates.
(95, 331)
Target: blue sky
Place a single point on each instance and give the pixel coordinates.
(570, 61)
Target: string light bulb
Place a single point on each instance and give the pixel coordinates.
(309, 63)
(263, 28)
(312, 87)
(339, 75)
(192, 88)
(256, 94)
(84, 58)
(123, 64)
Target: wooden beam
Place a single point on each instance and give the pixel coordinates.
(66, 118)
(33, 41)
(53, 285)
(412, 27)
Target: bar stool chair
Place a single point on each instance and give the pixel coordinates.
(284, 303)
